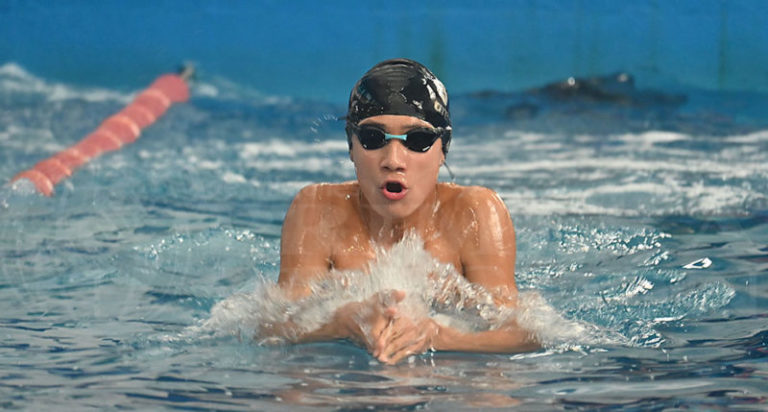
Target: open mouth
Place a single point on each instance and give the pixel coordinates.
(394, 190)
(393, 187)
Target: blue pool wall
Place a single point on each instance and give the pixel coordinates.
(316, 50)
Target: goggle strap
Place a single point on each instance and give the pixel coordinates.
(450, 172)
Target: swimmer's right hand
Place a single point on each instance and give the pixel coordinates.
(364, 322)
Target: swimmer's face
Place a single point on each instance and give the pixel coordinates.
(395, 180)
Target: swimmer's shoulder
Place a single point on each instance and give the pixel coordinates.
(320, 197)
(460, 197)
(471, 208)
(325, 192)
(326, 207)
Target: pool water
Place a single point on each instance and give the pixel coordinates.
(643, 218)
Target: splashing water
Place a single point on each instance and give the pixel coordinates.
(432, 289)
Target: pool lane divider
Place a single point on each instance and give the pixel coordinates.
(120, 129)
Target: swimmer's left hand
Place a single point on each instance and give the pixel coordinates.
(404, 337)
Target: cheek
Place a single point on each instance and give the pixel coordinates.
(362, 164)
(426, 178)
(429, 168)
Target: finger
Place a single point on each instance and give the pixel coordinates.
(392, 297)
(379, 317)
(397, 327)
(400, 355)
(381, 341)
(384, 322)
(405, 323)
(391, 312)
(406, 341)
(415, 346)
(380, 331)
(366, 332)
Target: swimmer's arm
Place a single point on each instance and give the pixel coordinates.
(405, 336)
(508, 339)
(361, 322)
(305, 255)
(304, 249)
(488, 247)
(488, 256)
(291, 332)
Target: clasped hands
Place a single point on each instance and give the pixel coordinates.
(381, 325)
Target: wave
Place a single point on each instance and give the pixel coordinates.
(15, 79)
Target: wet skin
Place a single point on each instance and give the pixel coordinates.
(336, 226)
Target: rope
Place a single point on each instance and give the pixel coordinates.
(122, 128)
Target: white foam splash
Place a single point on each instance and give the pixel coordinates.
(229, 177)
(280, 147)
(14, 78)
(513, 169)
(222, 88)
(702, 263)
(432, 289)
(633, 174)
(760, 136)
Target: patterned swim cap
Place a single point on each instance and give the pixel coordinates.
(402, 87)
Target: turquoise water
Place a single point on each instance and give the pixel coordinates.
(643, 216)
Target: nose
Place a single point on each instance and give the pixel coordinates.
(394, 156)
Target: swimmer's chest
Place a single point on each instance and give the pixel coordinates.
(351, 247)
(355, 253)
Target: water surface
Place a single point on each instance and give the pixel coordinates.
(647, 222)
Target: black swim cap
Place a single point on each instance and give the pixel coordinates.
(404, 87)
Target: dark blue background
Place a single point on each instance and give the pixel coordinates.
(316, 50)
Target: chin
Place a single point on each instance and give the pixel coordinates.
(396, 211)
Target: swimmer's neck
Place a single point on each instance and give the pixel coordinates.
(386, 232)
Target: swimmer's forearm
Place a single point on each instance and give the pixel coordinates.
(506, 340)
(288, 331)
(337, 327)
(326, 332)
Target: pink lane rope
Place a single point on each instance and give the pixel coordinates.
(122, 128)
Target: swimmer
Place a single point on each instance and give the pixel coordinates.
(398, 128)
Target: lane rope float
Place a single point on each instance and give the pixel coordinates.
(122, 128)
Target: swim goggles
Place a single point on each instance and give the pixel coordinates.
(418, 140)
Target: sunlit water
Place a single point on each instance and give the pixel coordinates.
(642, 256)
